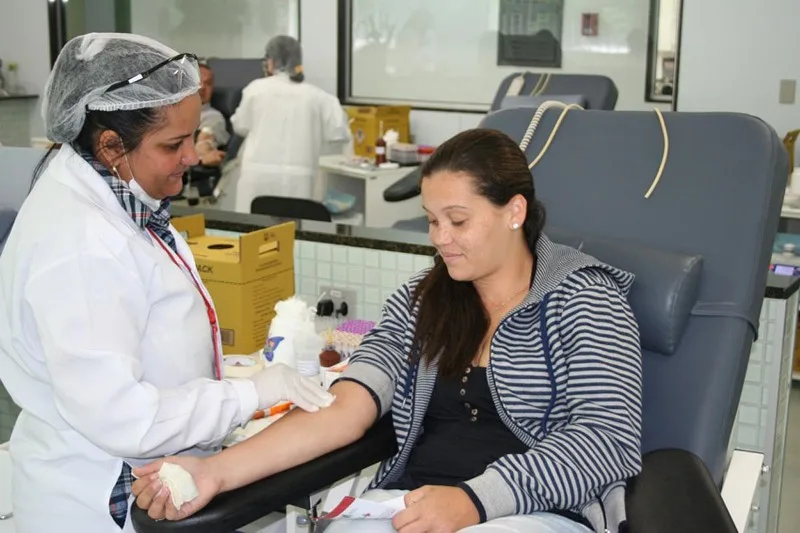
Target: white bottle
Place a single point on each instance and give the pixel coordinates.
(292, 323)
(307, 347)
(279, 347)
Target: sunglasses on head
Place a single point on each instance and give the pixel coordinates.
(149, 72)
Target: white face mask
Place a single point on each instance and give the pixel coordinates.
(138, 191)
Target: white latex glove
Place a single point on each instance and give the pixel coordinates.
(278, 382)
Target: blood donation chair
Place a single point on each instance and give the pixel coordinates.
(701, 268)
(598, 92)
(523, 89)
(231, 76)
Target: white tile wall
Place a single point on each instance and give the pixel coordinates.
(761, 419)
(374, 275)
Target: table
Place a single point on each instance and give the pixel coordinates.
(367, 185)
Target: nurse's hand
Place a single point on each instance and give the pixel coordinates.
(154, 498)
(278, 383)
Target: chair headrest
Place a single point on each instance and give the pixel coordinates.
(665, 289)
(600, 91)
(226, 100)
(230, 77)
(510, 102)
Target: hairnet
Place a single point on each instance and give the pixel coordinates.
(286, 54)
(89, 64)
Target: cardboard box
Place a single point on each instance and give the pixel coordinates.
(796, 358)
(365, 125)
(246, 277)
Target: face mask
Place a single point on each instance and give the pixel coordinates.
(138, 191)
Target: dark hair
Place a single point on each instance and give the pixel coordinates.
(452, 321)
(130, 127)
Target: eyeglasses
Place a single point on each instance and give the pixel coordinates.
(147, 73)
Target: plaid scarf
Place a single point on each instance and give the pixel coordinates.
(142, 215)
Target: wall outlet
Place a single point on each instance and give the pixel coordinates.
(786, 92)
(342, 295)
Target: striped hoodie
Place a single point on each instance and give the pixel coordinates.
(572, 394)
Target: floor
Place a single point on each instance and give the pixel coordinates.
(789, 519)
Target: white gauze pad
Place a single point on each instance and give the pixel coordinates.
(179, 482)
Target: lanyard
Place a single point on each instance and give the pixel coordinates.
(212, 315)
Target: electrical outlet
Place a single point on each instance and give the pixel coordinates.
(786, 91)
(342, 295)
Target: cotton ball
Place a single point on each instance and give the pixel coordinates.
(179, 482)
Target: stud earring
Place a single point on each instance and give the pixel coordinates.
(515, 226)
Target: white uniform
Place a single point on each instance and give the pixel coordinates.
(106, 345)
(286, 124)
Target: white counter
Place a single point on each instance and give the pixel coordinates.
(367, 185)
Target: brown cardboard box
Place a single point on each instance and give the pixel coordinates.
(246, 277)
(365, 124)
(796, 361)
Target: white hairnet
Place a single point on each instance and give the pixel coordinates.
(89, 64)
(286, 55)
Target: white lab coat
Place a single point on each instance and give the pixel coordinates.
(106, 345)
(286, 125)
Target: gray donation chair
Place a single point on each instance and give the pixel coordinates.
(598, 92)
(701, 268)
(587, 90)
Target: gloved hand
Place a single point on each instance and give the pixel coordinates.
(278, 382)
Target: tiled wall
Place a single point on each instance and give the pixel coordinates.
(373, 274)
(761, 420)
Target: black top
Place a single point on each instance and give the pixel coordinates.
(462, 434)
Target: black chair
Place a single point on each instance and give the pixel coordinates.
(283, 207)
(405, 188)
(230, 78)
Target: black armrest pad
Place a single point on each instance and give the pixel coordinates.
(404, 188)
(240, 507)
(203, 172)
(675, 492)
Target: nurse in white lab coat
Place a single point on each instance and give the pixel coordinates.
(108, 339)
(286, 123)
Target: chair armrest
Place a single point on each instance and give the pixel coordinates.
(675, 492)
(240, 507)
(200, 172)
(404, 188)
